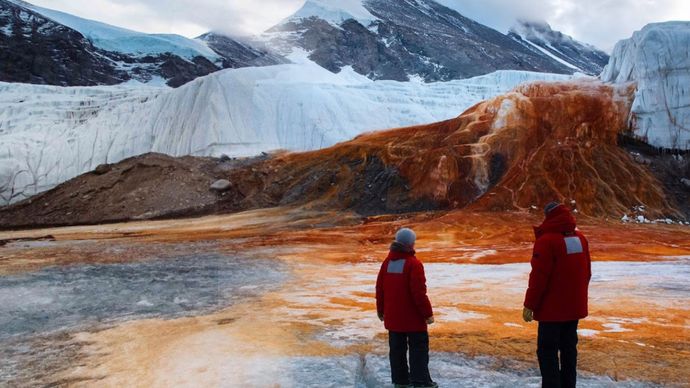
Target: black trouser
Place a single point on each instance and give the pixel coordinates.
(555, 337)
(418, 374)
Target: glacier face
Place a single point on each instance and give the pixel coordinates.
(50, 134)
(657, 58)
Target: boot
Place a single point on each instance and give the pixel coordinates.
(429, 385)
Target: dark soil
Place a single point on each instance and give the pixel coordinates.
(670, 167)
(157, 186)
(144, 187)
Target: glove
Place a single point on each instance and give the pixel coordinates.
(430, 320)
(527, 314)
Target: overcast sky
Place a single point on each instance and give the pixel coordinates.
(599, 22)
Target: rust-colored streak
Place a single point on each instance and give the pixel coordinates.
(346, 252)
(541, 142)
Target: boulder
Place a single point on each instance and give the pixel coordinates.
(642, 160)
(221, 185)
(103, 169)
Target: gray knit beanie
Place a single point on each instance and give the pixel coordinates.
(406, 237)
(548, 208)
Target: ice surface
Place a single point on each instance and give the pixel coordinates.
(338, 303)
(454, 370)
(363, 371)
(50, 134)
(657, 59)
(126, 41)
(80, 296)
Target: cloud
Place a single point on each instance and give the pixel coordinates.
(186, 17)
(599, 22)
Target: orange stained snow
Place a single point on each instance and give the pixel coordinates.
(326, 308)
(453, 237)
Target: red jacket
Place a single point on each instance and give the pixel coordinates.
(561, 270)
(401, 293)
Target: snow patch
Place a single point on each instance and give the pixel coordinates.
(481, 254)
(6, 30)
(587, 332)
(614, 328)
(454, 314)
(553, 56)
(144, 303)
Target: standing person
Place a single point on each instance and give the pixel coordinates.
(557, 294)
(405, 309)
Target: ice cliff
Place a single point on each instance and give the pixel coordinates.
(657, 58)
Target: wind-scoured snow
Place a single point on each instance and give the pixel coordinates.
(657, 58)
(547, 52)
(126, 41)
(51, 134)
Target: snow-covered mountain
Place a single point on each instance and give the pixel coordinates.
(657, 59)
(402, 40)
(62, 49)
(36, 49)
(382, 39)
(236, 53)
(579, 56)
(124, 41)
(50, 134)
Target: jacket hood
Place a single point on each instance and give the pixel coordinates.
(558, 220)
(400, 251)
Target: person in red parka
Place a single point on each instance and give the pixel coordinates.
(405, 309)
(557, 294)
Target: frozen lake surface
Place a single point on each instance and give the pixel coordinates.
(39, 310)
(81, 296)
(372, 371)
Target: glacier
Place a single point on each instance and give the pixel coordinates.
(122, 40)
(50, 134)
(656, 58)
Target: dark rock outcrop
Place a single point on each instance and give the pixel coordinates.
(411, 38)
(35, 49)
(240, 54)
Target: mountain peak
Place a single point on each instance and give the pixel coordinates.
(334, 11)
(528, 27)
(563, 48)
(403, 40)
(538, 30)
